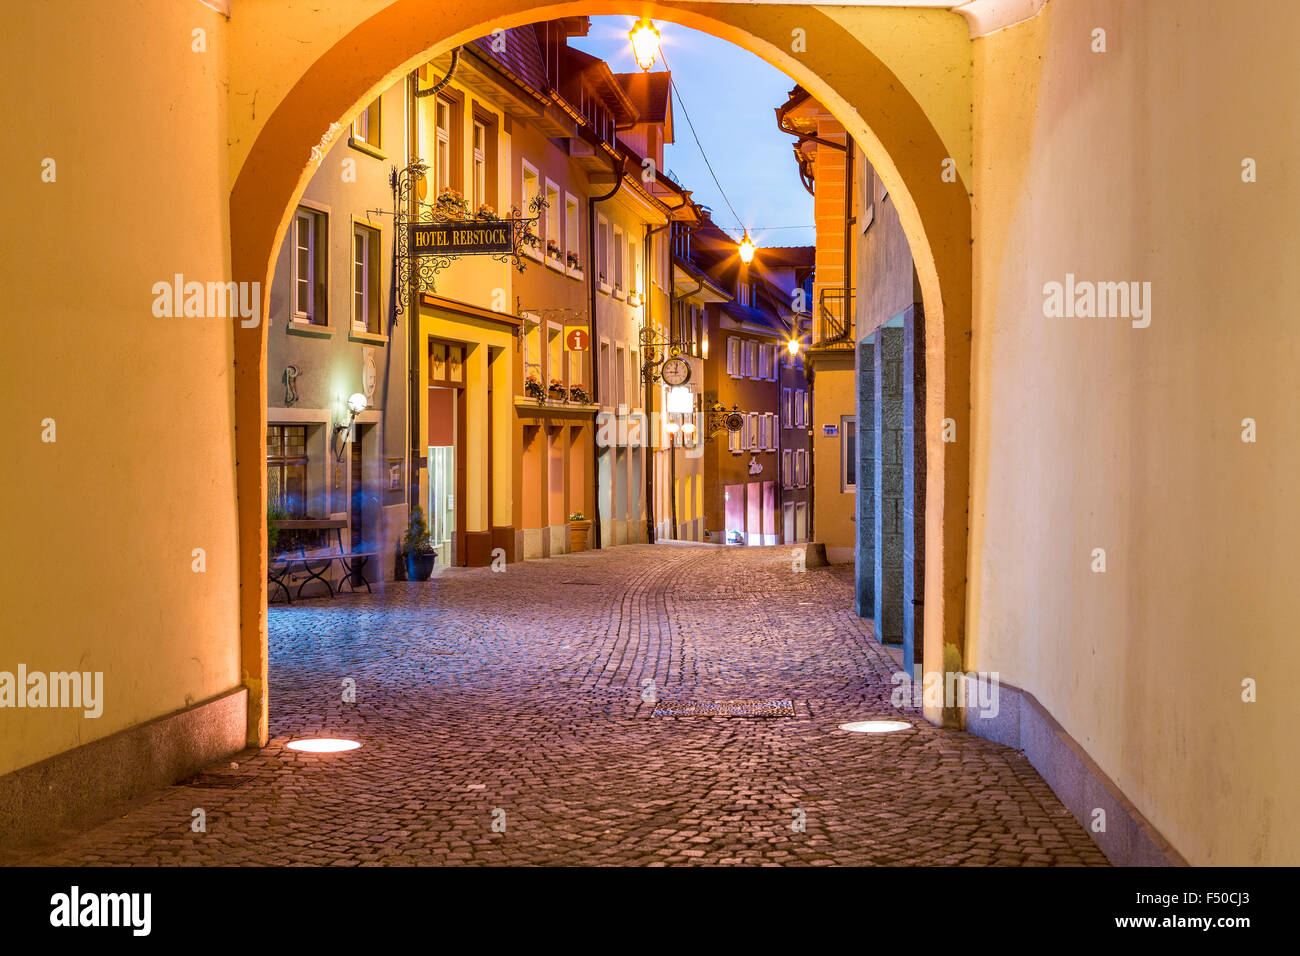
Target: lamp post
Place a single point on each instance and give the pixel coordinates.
(645, 43)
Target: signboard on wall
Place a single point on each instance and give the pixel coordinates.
(830, 430)
(577, 338)
(461, 238)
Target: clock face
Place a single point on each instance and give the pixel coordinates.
(675, 371)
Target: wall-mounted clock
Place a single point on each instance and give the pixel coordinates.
(675, 371)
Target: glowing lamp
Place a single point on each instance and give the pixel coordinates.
(323, 745)
(746, 249)
(645, 43)
(793, 346)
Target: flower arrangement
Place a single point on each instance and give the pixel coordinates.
(578, 394)
(552, 248)
(557, 389)
(486, 212)
(451, 202)
(533, 387)
(573, 261)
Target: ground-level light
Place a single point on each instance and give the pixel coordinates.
(323, 745)
(875, 726)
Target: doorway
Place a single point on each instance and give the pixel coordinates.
(442, 504)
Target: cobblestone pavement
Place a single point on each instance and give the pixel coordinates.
(516, 697)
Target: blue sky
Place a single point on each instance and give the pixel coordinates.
(730, 95)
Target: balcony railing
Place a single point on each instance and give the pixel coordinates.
(834, 319)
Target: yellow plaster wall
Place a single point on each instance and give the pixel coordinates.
(101, 524)
(1089, 433)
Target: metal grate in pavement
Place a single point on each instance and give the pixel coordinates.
(726, 708)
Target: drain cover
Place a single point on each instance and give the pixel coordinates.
(726, 708)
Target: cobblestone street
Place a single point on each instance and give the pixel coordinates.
(522, 692)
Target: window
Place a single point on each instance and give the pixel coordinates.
(800, 408)
(366, 128)
(770, 417)
(365, 279)
(480, 191)
(286, 468)
(733, 356)
(553, 213)
(619, 254)
(310, 267)
(606, 386)
(787, 408)
(751, 359)
(848, 453)
(442, 147)
(753, 431)
(633, 267)
(620, 369)
(735, 440)
(602, 252)
(786, 477)
(572, 237)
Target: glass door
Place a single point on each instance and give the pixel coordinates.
(442, 502)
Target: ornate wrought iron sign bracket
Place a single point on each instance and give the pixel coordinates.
(429, 236)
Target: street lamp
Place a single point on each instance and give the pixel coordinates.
(793, 346)
(645, 43)
(746, 248)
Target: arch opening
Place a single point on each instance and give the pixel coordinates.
(874, 107)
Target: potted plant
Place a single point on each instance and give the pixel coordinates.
(553, 249)
(578, 394)
(418, 547)
(486, 212)
(573, 260)
(533, 387)
(579, 529)
(558, 391)
(274, 515)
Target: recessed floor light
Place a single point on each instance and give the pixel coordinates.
(323, 745)
(875, 726)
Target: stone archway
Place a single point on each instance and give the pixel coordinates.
(898, 136)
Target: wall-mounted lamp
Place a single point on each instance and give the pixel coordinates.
(342, 432)
(793, 346)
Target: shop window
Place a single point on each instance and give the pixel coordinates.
(286, 469)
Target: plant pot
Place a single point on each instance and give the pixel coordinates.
(419, 567)
(579, 531)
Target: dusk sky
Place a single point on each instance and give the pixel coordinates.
(730, 95)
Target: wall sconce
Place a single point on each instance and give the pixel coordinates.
(343, 433)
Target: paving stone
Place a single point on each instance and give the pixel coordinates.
(524, 691)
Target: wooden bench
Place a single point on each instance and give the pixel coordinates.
(353, 562)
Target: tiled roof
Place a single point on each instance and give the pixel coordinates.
(521, 55)
(650, 93)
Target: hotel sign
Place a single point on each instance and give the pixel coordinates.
(494, 237)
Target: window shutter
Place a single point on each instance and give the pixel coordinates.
(372, 257)
(320, 239)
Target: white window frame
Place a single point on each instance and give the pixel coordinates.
(554, 222)
(787, 461)
(528, 171)
(363, 233)
(619, 272)
(787, 407)
(572, 233)
(441, 143)
(478, 165)
(753, 431)
(602, 263)
(303, 217)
